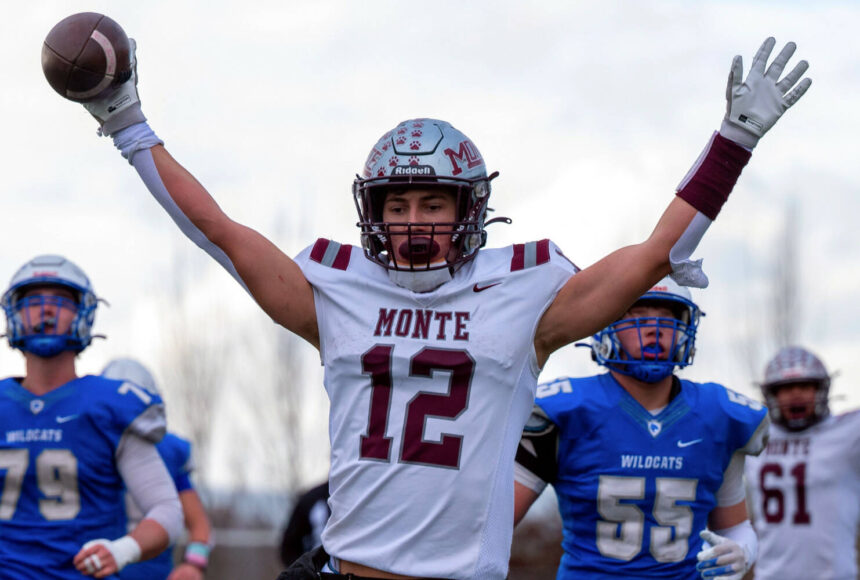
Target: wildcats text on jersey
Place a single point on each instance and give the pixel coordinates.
(651, 462)
(28, 435)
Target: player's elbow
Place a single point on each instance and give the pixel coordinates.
(653, 254)
(167, 513)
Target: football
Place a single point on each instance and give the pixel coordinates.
(85, 55)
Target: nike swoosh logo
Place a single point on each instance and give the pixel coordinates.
(688, 443)
(66, 419)
(477, 288)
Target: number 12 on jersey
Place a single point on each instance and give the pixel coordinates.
(376, 362)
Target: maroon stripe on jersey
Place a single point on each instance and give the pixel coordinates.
(318, 251)
(331, 254)
(542, 252)
(518, 261)
(341, 261)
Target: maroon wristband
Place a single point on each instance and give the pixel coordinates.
(710, 181)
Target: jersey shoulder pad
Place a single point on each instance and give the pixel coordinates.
(557, 386)
(849, 422)
(849, 417)
(564, 399)
(128, 407)
(531, 254)
(331, 254)
(745, 419)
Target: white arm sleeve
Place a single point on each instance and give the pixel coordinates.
(685, 271)
(732, 491)
(135, 143)
(149, 483)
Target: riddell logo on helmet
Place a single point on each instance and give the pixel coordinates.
(47, 273)
(413, 170)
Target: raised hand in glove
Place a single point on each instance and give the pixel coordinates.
(754, 105)
(119, 108)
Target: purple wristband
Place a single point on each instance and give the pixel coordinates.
(710, 181)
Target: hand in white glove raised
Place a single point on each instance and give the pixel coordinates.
(119, 108)
(724, 559)
(754, 105)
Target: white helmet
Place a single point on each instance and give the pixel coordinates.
(128, 369)
(795, 364)
(49, 270)
(424, 153)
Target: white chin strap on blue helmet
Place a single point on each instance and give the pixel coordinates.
(652, 365)
(39, 338)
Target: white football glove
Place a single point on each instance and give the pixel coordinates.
(753, 106)
(724, 559)
(124, 551)
(119, 108)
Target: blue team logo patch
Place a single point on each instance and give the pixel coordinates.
(36, 406)
(654, 427)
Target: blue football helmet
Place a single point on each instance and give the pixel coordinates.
(128, 369)
(41, 339)
(652, 365)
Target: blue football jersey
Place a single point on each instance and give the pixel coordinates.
(59, 483)
(176, 453)
(635, 489)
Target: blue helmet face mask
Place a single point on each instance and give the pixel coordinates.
(652, 364)
(29, 327)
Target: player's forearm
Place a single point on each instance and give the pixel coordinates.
(524, 497)
(189, 195)
(151, 537)
(196, 520)
(186, 201)
(150, 485)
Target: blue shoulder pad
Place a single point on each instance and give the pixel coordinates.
(571, 403)
(124, 406)
(747, 419)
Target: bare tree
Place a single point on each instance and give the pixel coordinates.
(194, 356)
(786, 306)
(777, 324)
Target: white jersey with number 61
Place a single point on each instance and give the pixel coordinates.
(805, 497)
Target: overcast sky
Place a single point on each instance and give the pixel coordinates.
(591, 110)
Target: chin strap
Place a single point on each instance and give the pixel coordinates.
(422, 280)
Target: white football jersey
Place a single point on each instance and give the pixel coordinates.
(805, 498)
(429, 394)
